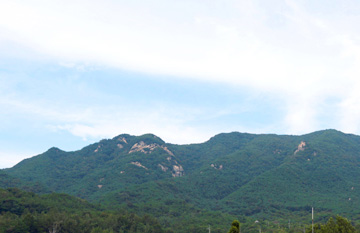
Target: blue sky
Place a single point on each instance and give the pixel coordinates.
(75, 72)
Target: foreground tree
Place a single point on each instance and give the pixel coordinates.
(342, 225)
(235, 227)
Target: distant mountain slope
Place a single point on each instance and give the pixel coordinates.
(323, 172)
(100, 167)
(266, 176)
(8, 181)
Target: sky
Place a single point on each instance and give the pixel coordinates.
(75, 72)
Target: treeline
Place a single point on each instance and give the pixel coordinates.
(22, 211)
(92, 221)
(339, 225)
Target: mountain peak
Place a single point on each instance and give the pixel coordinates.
(54, 149)
(148, 148)
(147, 138)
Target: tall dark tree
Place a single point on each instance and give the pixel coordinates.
(235, 227)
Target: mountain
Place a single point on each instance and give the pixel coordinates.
(101, 167)
(233, 174)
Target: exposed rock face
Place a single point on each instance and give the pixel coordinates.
(97, 149)
(301, 147)
(139, 165)
(167, 150)
(120, 146)
(148, 149)
(177, 171)
(122, 139)
(170, 165)
(163, 167)
(217, 167)
(142, 147)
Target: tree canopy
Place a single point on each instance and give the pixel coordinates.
(235, 227)
(341, 225)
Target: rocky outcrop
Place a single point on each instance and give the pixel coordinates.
(148, 149)
(217, 167)
(139, 165)
(97, 149)
(301, 147)
(170, 165)
(177, 171)
(167, 150)
(122, 139)
(163, 167)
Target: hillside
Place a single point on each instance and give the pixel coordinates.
(27, 212)
(232, 175)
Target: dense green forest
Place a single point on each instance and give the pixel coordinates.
(27, 212)
(270, 179)
(22, 211)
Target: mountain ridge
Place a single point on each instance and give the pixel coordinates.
(256, 175)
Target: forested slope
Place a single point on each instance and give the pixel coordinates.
(234, 174)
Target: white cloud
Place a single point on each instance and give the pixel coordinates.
(96, 121)
(160, 38)
(286, 48)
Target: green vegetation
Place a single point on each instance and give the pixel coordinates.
(27, 212)
(235, 227)
(269, 178)
(342, 225)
